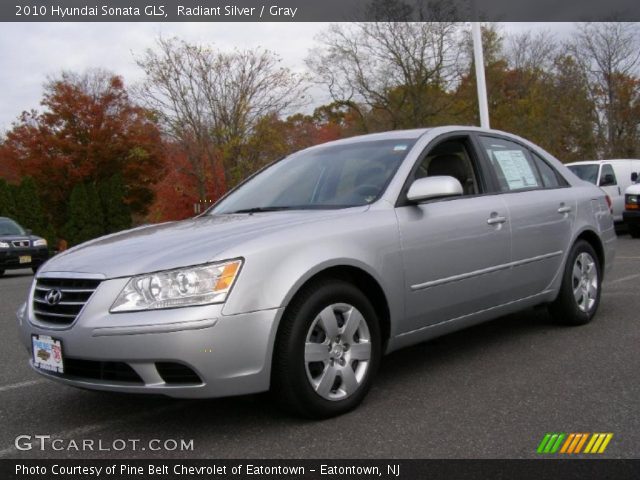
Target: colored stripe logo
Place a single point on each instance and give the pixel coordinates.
(572, 443)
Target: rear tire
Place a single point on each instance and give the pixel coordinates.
(634, 230)
(327, 350)
(1, 273)
(579, 295)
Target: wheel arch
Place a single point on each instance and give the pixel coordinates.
(593, 239)
(363, 279)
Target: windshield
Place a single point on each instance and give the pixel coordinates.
(586, 172)
(9, 227)
(337, 176)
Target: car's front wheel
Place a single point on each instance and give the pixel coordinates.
(327, 350)
(579, 295)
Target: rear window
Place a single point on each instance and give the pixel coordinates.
(513, 166)
(550, 178)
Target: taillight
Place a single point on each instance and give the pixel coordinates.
(610, 203)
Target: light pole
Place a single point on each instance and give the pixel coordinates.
(481, 83)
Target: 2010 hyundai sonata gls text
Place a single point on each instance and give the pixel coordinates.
(300, 279)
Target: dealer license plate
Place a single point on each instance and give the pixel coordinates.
(25, 259)
(47, 353)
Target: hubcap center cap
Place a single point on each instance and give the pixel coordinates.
(337, 350)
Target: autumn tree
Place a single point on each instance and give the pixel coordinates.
(397, 73)
(88, 131)
(209, 102)
(609, 54)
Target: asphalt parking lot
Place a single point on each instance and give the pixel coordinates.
(492, 391)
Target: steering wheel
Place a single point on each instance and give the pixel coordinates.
(367, 190)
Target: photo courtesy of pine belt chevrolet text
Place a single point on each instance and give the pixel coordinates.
(304, 276)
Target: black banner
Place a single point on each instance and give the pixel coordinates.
(316, 10)
(322, 469)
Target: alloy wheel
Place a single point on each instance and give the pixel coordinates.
(585, 281)
(337, 351)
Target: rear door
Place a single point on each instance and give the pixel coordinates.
(541, 212)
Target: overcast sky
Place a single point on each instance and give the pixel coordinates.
(32, 52)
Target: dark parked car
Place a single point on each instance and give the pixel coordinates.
(20, 249)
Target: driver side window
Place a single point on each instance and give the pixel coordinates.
(451, 158)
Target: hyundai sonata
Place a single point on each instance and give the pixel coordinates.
(300, 279)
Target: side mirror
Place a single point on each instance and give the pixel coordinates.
(634, 177)
(433, 187)
(607, 180)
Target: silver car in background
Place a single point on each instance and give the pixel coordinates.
(301, 278)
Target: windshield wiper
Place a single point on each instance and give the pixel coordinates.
(261, 209)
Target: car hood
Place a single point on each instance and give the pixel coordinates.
(8, 238)
(175, 244)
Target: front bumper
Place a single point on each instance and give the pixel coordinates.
(10, 257)
(230, 354)
(631, 217)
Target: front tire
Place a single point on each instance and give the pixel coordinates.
(579, 295)
(327, 351)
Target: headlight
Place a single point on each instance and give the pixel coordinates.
(41, 242)
(4, 245)
(178, 288)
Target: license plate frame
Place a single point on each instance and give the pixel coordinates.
(47, 353)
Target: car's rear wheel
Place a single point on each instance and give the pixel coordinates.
(1, 273)
(579, 295)
(327, 350)
(634, 230)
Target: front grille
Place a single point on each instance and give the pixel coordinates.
(94, 370)
(20, 243)
(177, 373)
(63, 310)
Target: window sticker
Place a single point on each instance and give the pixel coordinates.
(399, 148)
(516, 169)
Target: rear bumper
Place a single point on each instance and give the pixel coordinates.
(10, 258)
(231, 355)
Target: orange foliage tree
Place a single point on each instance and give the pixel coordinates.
(89, 131)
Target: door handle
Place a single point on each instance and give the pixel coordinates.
(494, 220)
(564, 210)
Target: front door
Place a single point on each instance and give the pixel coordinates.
(455, 250)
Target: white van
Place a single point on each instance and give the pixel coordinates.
(632, 208)
(613, 176)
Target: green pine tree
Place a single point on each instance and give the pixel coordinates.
(117, 215)
(78, 216)
(96, 227)
(28, 207)
(7, 202)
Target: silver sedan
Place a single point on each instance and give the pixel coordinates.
(305, 275)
